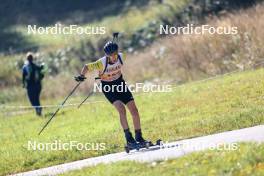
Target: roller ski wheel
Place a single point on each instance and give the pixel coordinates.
(127, 149)
(145, 144)
(148, 144)
(159, 142)
(131, 146)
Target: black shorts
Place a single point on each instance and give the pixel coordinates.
(117, 90)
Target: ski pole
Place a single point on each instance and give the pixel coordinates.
(53, 115)
(90, 93)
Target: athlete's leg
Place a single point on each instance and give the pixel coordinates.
(32, 97)
(131, 105)
(122, 113)
(136, 120)
(123, 120)
(39, 109)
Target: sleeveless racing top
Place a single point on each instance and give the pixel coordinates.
(107, 72)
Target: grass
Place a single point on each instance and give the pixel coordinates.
(128, 21)
(190, 57)
(180, 58)
(248, 159)
(227, 103)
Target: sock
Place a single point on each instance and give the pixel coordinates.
(138, 134)
(126, 131)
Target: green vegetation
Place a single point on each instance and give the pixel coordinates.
(247, 160)
(194, 109)
(129, 22)
(61, 51)
(190, 110)
(179, 59)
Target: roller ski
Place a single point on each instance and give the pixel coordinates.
(142, 142)
(132, 146)
(146, 144)
(142, 145)
(139, 142)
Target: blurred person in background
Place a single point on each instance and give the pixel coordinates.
(32, 75)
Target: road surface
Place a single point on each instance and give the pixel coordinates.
(225, 140)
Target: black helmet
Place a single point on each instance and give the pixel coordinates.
(110, 47)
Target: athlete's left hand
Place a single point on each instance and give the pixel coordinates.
(80, 78)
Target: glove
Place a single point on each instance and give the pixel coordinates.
(80, 78)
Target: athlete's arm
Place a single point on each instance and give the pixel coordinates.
(97, 65)
(24, 74)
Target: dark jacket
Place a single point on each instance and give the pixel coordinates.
(31, 75)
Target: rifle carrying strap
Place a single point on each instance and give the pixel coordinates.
(106, 64)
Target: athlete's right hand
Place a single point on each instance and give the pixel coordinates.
(80, 78)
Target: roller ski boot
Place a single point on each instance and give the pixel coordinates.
(143, 143)
(131, 142)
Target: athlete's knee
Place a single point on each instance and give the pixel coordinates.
(120, 108)
(134, 110)
(133, 106)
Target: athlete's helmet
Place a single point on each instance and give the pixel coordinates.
(110, 47)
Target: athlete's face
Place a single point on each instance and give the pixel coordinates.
(113, 57)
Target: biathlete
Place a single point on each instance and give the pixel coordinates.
(109, 68)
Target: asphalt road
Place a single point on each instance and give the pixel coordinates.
(221, 141)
